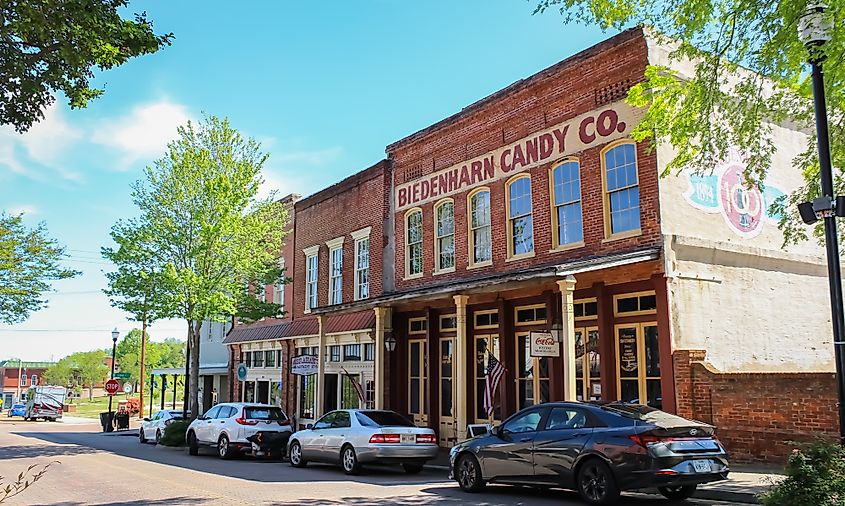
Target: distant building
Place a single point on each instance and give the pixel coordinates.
(18, 376)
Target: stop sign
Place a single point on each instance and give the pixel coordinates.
(112, 386)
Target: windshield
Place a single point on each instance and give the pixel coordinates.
(259, 413)
(383, 419)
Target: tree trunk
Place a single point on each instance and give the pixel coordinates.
(91, 392)
(194, 336)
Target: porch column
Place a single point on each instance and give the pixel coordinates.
(383, 323)
(567, 289)
(321, 365)
(460, 370)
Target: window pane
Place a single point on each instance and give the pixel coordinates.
(570, 229)
(523, 235)
(628, 353)
(652, 352)
(480, 209)
(482, 245)
(520, 197)
(415, 396)
(445, 219)
(627, 305)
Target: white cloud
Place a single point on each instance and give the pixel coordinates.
(26, 209)
(46, 144)
(144, 132)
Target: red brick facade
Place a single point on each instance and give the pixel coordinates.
(757, 415)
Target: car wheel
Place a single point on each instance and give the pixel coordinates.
(223, 449)
(141, 437)
(295, 456)
(349, 460)
(469, 474)
(158, 436)
(412, 468)
(678, 493)
(596, 483)
(193, 445)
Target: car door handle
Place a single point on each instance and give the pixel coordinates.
(525, 440)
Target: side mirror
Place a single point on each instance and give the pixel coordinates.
(309, 426)
(499, 432)
(146, 419)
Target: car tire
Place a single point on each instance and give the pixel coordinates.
(141, 437)
(412, 468)
(295, 455)
(678, 493)
(349, 460)
(596, 483)
(468, 474)
(224, 450)
(193, 445)
(158, 436)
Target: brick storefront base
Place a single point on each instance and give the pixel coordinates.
(757, 415)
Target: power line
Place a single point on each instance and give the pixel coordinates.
(81, 330)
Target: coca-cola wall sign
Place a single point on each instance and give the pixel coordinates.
(543, 344)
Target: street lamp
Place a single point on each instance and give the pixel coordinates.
(814, 31)
(114, 334)
(390, 342)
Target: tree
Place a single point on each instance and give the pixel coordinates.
(83, 368)
(51, 46)
(704, 115)
(60, 374)
(171, 353)
(29, 260)
(128, 354)
(203, 230)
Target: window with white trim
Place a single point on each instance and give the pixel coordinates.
(444, 235)
(622, 190)
(520, 214)
(566, 196)
(34, 380)
(480, 235)
(311, 273)
(336, 275)
(414, 243)
(362, 268)
(279, 288)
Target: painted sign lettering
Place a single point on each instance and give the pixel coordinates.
(304, 365)
(543, 344)
(593, 128)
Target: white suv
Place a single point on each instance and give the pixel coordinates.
(228, 426)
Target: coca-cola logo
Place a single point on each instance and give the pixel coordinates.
(544, 341)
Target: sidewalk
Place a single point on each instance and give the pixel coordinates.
(743, 485)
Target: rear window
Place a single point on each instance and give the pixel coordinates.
(383, 419)
(258, 413)
(647, 414)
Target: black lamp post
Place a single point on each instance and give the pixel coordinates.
(814, 31)
(114, 334)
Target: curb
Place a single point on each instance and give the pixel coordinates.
(713, 495)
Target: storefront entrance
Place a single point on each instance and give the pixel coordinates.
(638, 364)
(447, 392)
(417, 382)
(532, 374)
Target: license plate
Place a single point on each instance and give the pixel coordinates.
(701, 466)
(408, 438)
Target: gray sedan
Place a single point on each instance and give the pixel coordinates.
(354, 437)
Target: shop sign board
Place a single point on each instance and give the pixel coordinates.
(242, 371)
(304, 365)
(543, 344)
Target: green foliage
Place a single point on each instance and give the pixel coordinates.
(201, 233)
(24, 480)
(815, 476)
(169, 353)
(54, 46)
(174, 434)
(722, 105)
(80, 369)
(29, 260)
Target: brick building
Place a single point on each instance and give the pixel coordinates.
(530, 227)
(18, 376)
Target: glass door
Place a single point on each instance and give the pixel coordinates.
(638, 364)
(485, 347)
(587, 364)
(532, 374)
(417, 381)
(447, 392)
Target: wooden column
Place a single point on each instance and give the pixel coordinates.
(321, 366)
(607, 342)
(382, 325)
(432, 372)
(461, 373)
(664, 339)
(567, 290)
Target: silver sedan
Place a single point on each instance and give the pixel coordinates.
(354, 437)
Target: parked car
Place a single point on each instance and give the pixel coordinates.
(355, 437)
(17, 410)
(228, 426)
(153, 428)
(596, 449)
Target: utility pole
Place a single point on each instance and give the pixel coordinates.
(143, 358)
(20, 370)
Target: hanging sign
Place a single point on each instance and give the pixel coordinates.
(242, 370)
(543, 344)
(304, 365)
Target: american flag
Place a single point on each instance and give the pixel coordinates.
(495, 371)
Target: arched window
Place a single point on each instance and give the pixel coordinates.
(413, 243)
(480, 236)
(566, 198)
(444, 236)
(622, 191)
(520, 224)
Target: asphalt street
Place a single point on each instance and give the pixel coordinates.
(98, 469)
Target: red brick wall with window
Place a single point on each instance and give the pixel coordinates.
(554, 95)
(352, 204)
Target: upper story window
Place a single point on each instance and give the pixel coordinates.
(311, 273)
(362, 263)
(414, 243)
(566, 197)
(351, 352)
(334, 353)
(34, 380)
(417, 325)
(23, 380)
(520, 225)
(335, 270)
(585, 309)
(270, 358)
(622, 191)
(279, 288)
(480, 242)
(258, 359)
(369, 352)
(444, 236)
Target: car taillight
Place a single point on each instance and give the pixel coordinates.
(426, 438)
(243, 421)
(384, 438)
(644, 440)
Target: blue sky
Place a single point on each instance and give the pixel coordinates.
(325, 87)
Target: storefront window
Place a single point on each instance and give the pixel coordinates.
(622, 197)
(520, 212)
(485, 346)
(416, 376)
(587, 364)
(638, 355)
(532, 375)
(276, 397)
(349, 394)
(249, 391)
(480, 242)
(308, 397)
(444, 235)
(370, 394)
(446, 351)
(567, 204)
